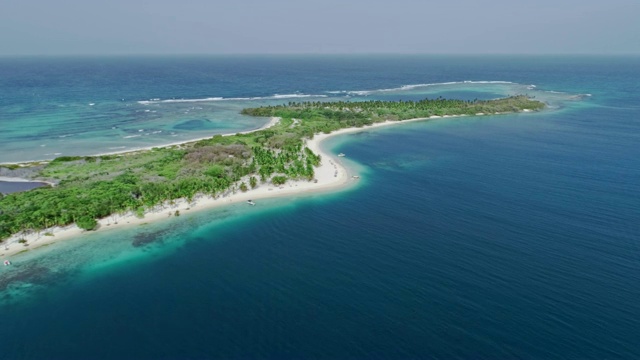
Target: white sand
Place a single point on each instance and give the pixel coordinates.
(331, 174)
(15, 179)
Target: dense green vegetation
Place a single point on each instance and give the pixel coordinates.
(90, 187)
(330, 116)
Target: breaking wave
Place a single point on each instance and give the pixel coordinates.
(347, 93)
(416, 86)
(209, 99)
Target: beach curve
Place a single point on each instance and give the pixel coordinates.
(330, 175)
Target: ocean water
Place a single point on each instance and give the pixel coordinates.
(511, 236)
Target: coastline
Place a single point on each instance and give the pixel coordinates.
(272, 121)
(330, 175)
(23, 180)
(17, 179)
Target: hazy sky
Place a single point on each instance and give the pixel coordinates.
(328, 26)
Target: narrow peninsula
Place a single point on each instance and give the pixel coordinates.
(285, 158)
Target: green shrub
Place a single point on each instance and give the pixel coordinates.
(215, 171)
(66, 159)
(87, 223)
(279, 180)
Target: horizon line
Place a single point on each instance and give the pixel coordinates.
(314, 54)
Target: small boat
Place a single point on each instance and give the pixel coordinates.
(356, 177)
(250, 202)
(342, 155)
(7, 263)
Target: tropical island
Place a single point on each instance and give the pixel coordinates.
(92, 190)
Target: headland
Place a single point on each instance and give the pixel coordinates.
(289, 163)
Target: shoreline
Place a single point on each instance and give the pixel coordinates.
(23, 180)
(18, 180)
(330, 175)
(272, 122)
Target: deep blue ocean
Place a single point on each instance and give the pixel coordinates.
(498, 237)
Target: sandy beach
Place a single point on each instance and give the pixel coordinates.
(330, 175)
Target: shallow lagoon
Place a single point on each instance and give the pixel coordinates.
(7, 187)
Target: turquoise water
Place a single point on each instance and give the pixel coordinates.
(87, 106)
(512, 236)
